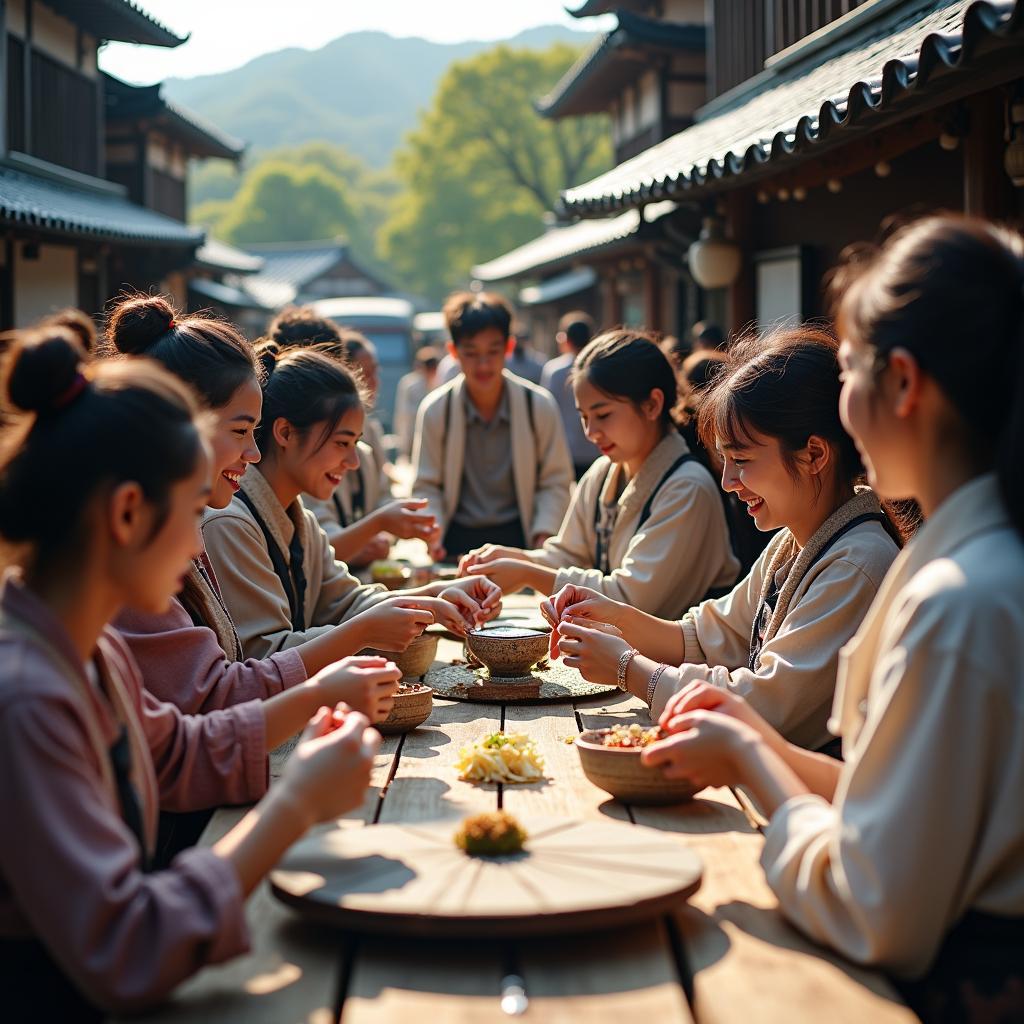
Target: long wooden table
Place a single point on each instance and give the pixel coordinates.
(727, 956)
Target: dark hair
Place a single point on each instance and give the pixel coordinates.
(304, 386)
(299, 325)
(79, 323)
(950, 290)
(469, 313)
(428, 357)
(209, 354)
(784, 385)
(707, 335)
(70, 430)
(578, 328)
(630, 365)
(355, 344)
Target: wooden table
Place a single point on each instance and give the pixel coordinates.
(726, 956)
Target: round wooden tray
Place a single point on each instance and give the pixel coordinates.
(553, 684)
(414, 880)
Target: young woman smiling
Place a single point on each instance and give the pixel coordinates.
(276, 568)
(87, 754)
(190, 654)
(775, 639)
(910, 856)
(647, 500)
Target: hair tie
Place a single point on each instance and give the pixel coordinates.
(171, 324)
(70, 393)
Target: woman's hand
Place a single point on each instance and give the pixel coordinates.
(594, 649)
(375, 548)
(329, 771)
(406, 519)
(484, 592)
(469, 562)
(456, 615)
(707, 748)
(583, 603)
(510, 574)
(701, 696)
(393, 624)
(366, 684)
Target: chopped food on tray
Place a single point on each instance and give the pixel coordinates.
(629, 736)
(490, 834)
(501, 757)
(411, 687)
(385, 569)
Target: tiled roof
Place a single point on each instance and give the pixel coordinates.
(120, 20)
(614, 60)
(223, 294)
(287, 267)
(850, 85)
(560, 244)
(571, 282)
(53, 205)
(214, 254)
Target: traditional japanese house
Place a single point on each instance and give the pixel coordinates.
(824, 122)
(68, 234)
(649, 74)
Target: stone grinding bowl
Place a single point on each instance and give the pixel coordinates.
(410, 710)
(414, 661)
(508, 651)
(620, 773)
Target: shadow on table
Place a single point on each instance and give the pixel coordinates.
(412, 799)
(424, 741)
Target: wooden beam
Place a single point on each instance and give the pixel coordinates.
(740, 228)
(988, 191)
(26, 79)
(3, 77)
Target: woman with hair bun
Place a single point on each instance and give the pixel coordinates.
(646, 500)
(775, 638)
(910, 855)
(88, 756)
(275, 565)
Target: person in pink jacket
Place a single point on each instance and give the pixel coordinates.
(104, 476)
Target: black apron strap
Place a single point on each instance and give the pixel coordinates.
(649, 504)
(294, 589)
(601, 548)
(131, 808)
(756, 641)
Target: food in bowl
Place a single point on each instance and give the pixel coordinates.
(416, 659)
(393, 575)
(507, 651)
(611, 760)
(492, 834)
(413, 705)
(501, 757)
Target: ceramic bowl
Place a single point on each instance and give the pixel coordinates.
(620, 773)
(411, 709)
(392, 575)
(507, 650)
(416, 659)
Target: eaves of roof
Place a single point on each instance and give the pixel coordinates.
(214, 254)
(122, 21)
(615, 59)
(560, 245)
(52, 206)
(880, 76)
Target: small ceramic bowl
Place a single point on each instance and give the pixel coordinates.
(416, 659)
(392, 575)
(620, 773)
(507, 650)
(412, 708)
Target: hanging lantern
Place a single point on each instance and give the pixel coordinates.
(714, 260)
(835, 186)
(1013, 160)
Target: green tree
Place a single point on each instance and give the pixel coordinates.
(482, 166)
(280, 201)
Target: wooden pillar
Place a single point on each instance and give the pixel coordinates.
(988, 191)
(3, 77)
(739, 220)
(652, 296)
(611, 302)
(26, 79)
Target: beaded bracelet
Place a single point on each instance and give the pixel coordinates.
(653, 684)
(624, 659)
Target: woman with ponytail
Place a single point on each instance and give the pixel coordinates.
(648, 499)
(773, 415)
(910, 856)
(190, 655)
(104, 476)
(275, 565)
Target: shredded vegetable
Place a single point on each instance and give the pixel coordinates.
(501, 758)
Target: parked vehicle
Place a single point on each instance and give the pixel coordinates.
(388, 323)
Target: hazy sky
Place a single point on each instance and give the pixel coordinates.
(227, 33)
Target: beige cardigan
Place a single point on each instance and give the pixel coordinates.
(926, 822)
(252, 592)
(681, 552)
(374, 495)
(793, 683)
(540, 464)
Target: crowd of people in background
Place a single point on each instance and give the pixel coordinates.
(803, 549)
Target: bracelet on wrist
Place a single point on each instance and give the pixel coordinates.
(653, 684)
(624, 659)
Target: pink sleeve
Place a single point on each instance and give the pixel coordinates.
(184, 664)
(124, 937)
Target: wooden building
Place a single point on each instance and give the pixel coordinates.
(825, 122)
